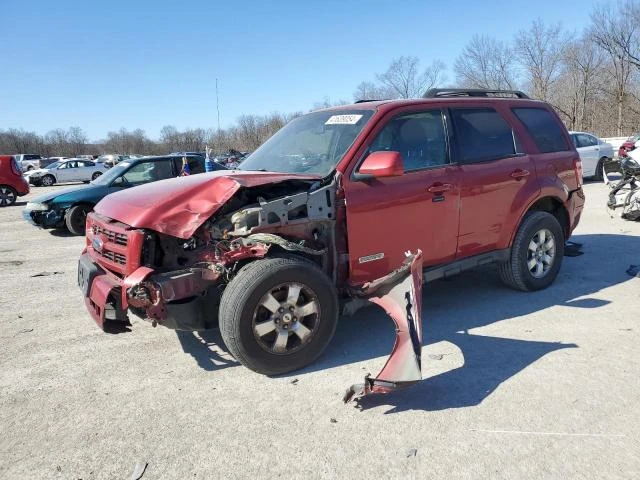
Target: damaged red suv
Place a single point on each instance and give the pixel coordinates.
(270, 251)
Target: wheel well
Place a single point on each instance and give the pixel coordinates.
(556, 208)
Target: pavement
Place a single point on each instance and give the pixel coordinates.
(516, 385)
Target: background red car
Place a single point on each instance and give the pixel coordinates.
(628, 145)
(12, 183)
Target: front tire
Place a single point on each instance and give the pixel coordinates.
(48, 180)
(8, 196)
(76, 219)
(536, 253)
(278, 314)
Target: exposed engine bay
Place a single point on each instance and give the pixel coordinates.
(188, 275)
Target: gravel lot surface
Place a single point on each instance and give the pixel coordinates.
(539, 385)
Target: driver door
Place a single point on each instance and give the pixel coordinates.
(419, 209)
(64, 172)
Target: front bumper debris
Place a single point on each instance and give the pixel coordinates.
(400, 295)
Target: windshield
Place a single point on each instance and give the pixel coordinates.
(313, 143)
(110, 175)
(53, 165)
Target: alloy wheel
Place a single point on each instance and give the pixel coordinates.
(286, 318)
(7, 196)
(541, 253)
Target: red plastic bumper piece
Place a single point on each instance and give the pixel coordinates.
(96, 302)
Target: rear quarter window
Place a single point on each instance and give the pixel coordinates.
(543, 128)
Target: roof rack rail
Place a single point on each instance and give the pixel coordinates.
(365, 100)
(472, 92)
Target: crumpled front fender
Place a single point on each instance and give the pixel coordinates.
(400, 295)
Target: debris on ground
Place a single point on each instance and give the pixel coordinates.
(573, 249)
(294, 381)
(634, 270)
(13, 263)
(400, 294)
(412, 452)
(138, 470)
(333, 420)
(46, 274)
(25, 330)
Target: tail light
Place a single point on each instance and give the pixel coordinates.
(15, 168)
(577, 168)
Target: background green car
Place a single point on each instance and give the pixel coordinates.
(69, 207)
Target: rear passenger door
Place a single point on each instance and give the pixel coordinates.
(495, 172)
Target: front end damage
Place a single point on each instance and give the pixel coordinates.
(400, 295)
(177, 282)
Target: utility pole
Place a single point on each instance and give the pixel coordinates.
(218, 106)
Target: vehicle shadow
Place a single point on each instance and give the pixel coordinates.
(207, 349)
(61, 232)
(453, 307)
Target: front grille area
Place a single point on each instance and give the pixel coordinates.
(111, 236)
(114, 245)
(118, 258)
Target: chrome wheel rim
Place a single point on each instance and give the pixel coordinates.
(7, 197)
(286, 318)
(46, 181)
(541, 253)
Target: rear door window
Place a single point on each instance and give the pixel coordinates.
(482, 135)
(543, 128)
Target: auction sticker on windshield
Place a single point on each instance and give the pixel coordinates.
(343, 120)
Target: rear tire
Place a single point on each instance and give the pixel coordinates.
(278, 314)
(76, 219)
(598, 175)
(48, 180)
(95, 175)
(529, 267)
(8, 196)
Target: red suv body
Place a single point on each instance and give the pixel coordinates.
(464, 177)
(12, 183)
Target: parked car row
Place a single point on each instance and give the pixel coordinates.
(68, 208)
(65, 171)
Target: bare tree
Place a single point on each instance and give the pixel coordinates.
(371, 91)
(540, 50)
(486, 63)
(404, 79)
(617, 32)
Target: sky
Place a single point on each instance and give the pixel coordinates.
(145, 64)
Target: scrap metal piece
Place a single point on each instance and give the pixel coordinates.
(400, 295)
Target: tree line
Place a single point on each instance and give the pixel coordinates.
(591, 78)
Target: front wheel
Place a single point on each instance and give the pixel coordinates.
(536, 253)
(8, 196)
(76, 219)
(48, 180)
(278, 314)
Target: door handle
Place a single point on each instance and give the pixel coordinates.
(439, 187)
(519, 174)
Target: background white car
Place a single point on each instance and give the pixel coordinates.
(65, 171)
(593, 152)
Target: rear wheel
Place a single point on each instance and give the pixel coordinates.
(8, 196)
(278, 314)
(598, 175)
(76, 219)
(95, 175)
(48, 180)
(536, 254)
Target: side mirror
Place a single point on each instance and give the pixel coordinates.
(382, 164)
